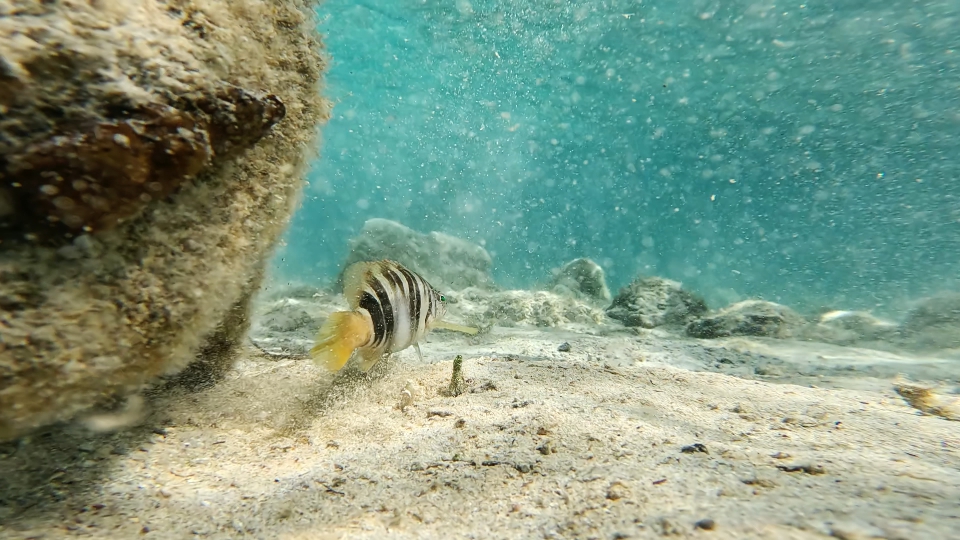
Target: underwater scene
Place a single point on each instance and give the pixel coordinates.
(376, 269)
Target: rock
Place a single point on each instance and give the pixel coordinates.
(749, 318)
(934, 323)
(706, 524)
(150, 159)
(845, 327)
(523, 308)
(446, 262)
(581, 278)
(652, 301)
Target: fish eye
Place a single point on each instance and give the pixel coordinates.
(443, 298)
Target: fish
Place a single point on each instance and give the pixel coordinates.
(392, 308)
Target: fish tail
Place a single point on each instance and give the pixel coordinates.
(456, 327)
(341, 334)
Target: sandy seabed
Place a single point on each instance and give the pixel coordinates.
(625, 435)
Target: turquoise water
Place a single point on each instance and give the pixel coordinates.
(802, 153)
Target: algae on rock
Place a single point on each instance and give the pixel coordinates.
(653, 301)
(151, 152)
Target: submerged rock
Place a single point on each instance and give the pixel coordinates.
(652, 301)
(447, 262)
(934, 323)
(150, 157)
(522, 308)
(749, 318)
(846, 327)
(581, 278)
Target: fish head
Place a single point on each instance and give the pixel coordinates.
(438, 307)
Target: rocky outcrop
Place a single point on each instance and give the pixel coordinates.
(652, 301)
(848, 327)
(933, 323)
(150, 155)
(581, 278)
(526, 308)
(749, 318)
(446, 262)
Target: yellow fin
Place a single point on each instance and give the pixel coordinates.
(339, 336)
(455, 327)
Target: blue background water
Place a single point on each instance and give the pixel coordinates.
(804, 153)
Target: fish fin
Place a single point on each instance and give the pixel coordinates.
(369, 358)
(455, 327)
(417, 347)
(339, 336)
(353, 279)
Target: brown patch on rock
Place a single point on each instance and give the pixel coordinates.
(95, 178)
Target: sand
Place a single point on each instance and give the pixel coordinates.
(626, 435)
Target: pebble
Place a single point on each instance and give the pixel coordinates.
(694, 448)
(705, 524)
(617, 491)
(547, 448)
(564, 347)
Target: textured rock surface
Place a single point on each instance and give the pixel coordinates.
(581, 278)
(652, 301)
(847, 327)
(150, 154)
(448, 263)
(749, 318)
(522, 308)
(934, 323)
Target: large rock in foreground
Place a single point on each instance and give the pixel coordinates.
(151, 153)
(650, 302)
(448, 263)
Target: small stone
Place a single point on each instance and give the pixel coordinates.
(617, 490)
(768, 370)
(523, 467)
(547, 448)
(564, 347)
(761, 482)
(694, 448)
(486, 386)
(808, 468)
(705, 524)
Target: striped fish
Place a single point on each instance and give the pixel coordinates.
(393, 308)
